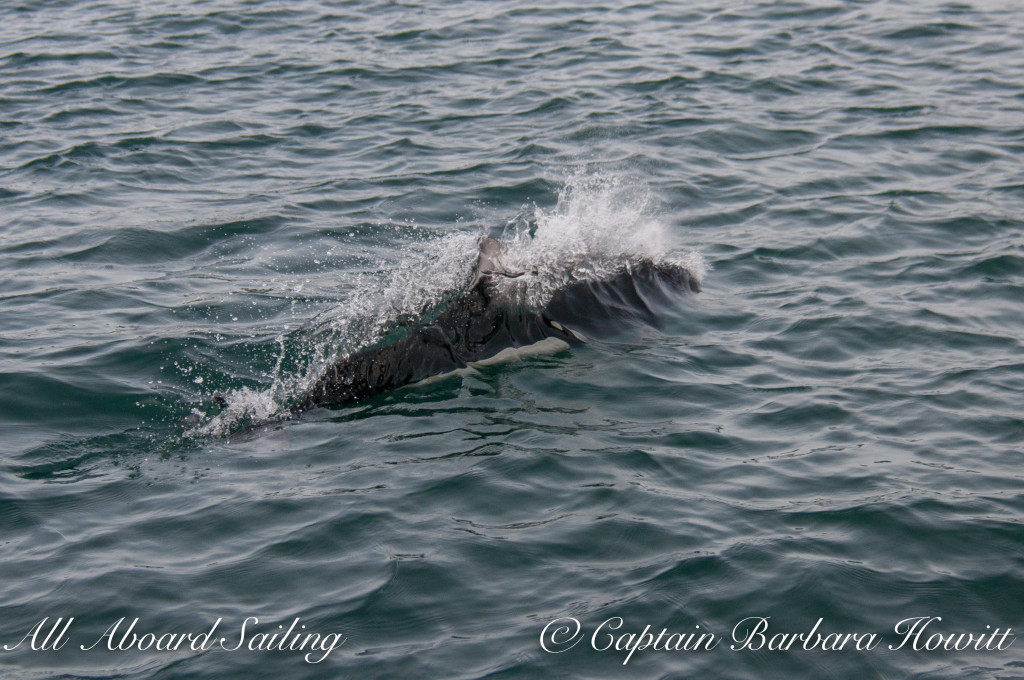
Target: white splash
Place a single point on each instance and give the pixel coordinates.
(598, 224)
(244, 405)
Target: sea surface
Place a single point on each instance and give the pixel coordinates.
(203, 204)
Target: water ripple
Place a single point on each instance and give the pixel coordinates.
(205, 198)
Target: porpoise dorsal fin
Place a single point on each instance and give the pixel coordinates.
(488, 261)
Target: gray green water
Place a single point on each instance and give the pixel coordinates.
(213, 197)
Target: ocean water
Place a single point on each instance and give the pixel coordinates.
(203, 199)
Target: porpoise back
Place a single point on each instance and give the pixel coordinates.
(483, 321)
